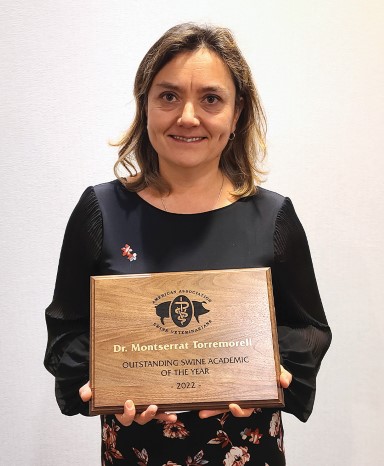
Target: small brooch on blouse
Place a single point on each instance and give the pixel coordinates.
(128, 253)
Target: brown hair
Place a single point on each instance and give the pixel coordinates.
(241, 159)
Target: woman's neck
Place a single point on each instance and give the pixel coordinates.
(191, 191)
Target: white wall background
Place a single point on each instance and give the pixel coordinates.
(68, 68)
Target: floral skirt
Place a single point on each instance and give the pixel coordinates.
(221, 440)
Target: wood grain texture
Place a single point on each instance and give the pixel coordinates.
(187, 340)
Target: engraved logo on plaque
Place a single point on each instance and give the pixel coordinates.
(181, 310)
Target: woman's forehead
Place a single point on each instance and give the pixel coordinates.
(201, 67)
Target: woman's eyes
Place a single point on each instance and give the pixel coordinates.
(169, 97)
(212, 99)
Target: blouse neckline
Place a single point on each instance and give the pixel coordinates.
(205, 213)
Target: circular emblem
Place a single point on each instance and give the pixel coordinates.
(181, 311)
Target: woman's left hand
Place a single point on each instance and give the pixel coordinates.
(285, 380)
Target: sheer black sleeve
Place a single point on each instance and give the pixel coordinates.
(304, 334)
(67, 317)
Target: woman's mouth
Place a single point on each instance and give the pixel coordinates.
(185, 139)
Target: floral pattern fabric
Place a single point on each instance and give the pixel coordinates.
(191, 441)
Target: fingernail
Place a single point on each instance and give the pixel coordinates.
(152, 410)
(129, 404)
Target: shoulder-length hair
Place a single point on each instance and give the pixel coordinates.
(242, 157)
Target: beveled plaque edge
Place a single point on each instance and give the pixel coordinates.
(162, 407)
(275, 338)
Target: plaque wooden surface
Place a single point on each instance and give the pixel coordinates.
(184, 340)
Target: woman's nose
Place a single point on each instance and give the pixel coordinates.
(188, 116)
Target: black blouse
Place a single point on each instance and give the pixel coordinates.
(259, 231)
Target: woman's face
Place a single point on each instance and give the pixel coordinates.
(191, 110)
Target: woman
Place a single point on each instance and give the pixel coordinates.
(198, 140)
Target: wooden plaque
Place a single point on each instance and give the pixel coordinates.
(184, 340)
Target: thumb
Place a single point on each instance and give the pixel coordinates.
(285, 377)
(85, 392)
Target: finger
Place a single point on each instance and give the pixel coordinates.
(146, 415)
(170, 417)
(237, 411)
(85, 392)
(204, 413)
(285, 377)
(129, 414)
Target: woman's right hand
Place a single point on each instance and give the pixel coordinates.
(150, 413)
(129, 416)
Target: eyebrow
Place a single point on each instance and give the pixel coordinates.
(175, 87)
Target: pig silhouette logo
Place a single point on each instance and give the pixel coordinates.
(181, 310)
